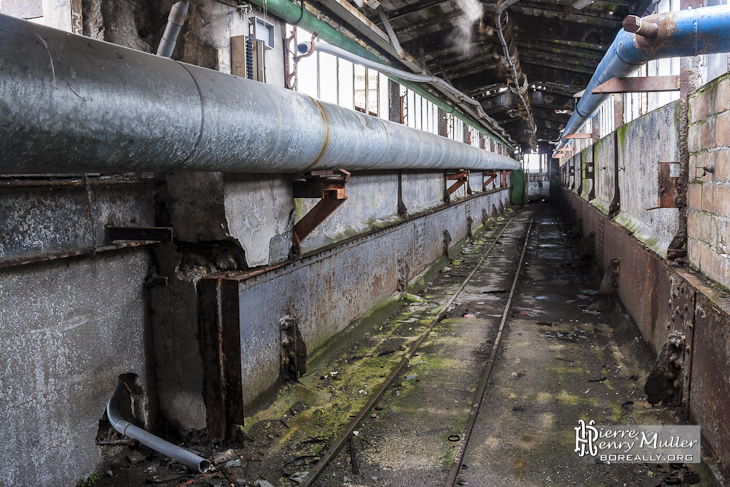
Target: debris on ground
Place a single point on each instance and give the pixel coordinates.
(223, 457)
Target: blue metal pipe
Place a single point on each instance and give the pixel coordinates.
(704, 30)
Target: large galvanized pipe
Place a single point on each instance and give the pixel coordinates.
(70, 104)
(703, 30)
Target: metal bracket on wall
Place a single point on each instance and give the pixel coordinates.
(668, 176)
(579, 136)
(650, 84)
(503, 178)
(329, 186)
(460, 179)
(158, 234)
(492, 177)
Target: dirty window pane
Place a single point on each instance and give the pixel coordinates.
(384, 108)
(328, 77)
(372, 92)
(347, 95)
(360, 88)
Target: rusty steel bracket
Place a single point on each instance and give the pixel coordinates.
(159, 234)
(492, 177)
(646, 84)
(583, 135)
(503, 178)
(460, 179)
(329, 187)
(668, 176)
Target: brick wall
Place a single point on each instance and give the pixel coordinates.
(708, 212)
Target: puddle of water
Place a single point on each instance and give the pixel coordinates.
(541, 298)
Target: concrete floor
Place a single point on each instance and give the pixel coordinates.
(541, 385)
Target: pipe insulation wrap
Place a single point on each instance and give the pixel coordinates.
(692, 32)
(70, 104)
(190, 460)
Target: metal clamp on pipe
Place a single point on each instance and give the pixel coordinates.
(190, 460)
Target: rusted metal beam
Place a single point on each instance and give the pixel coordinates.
(317, 215)
(503, 178)
(220, 338)
(461, 178)
(160, 234)
(644, 84)
(329, 186)
(492, 177)
(578, 136)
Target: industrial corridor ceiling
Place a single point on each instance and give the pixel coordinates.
(554, 48)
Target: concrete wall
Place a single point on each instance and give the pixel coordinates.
(538, 187)
(642, 144)
(328, 290)
(69, 330)
(660, 297)
(70, 327)
(663, 299)
(708, 212)
(605, 173)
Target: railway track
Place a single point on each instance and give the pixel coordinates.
(346, 435)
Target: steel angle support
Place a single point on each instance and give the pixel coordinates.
(583, 135)
(645, 84)
(492, 177)
(460, 179)
(329, 187)
(503, 178)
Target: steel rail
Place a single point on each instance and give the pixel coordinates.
(341, 440)
(476, 405)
